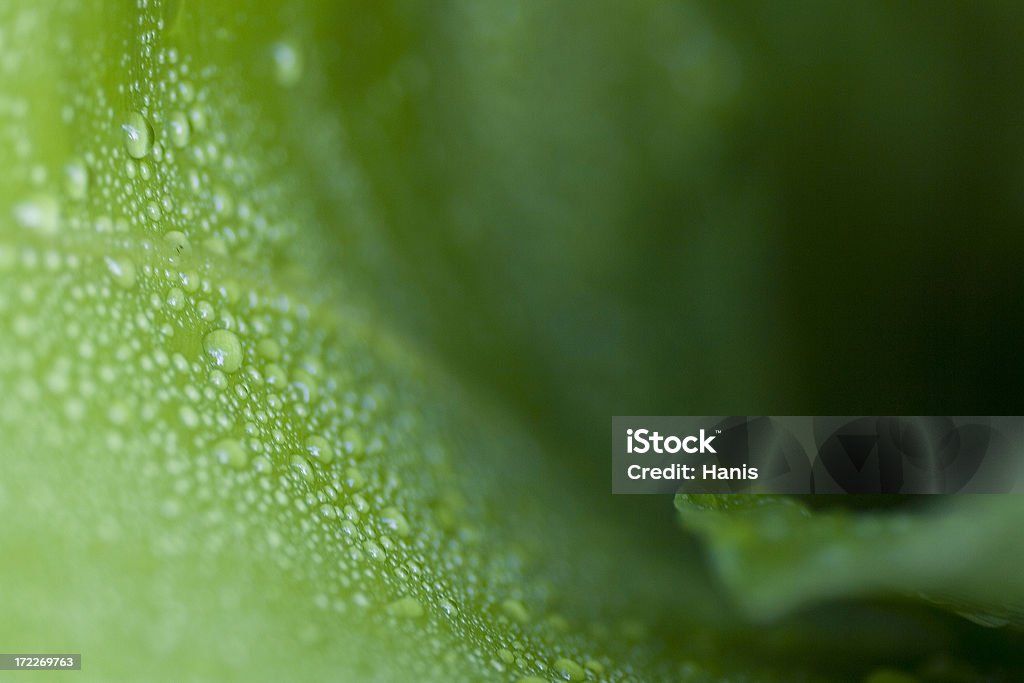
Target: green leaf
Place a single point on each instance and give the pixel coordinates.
(217, 462)
(775, 554)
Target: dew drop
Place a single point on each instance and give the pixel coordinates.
(225, 349)
(515, 610)
(353, 440)
(218, 379)
(395, 521)
(123, 271)
(354, 478)
(178, 242)
(319, 448)
(138, 135)
(269, 349)
(178, 129)
(197, 117)
(230, 452)
(301, 466)
(40, 213)
(189, 417)
(287, 64)
(570, 670)
(187, 90)
(406, 608)
(76, 180)
(374, 551)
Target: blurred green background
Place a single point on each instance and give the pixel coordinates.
(696, 208)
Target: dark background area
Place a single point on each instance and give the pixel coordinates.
(669, 208)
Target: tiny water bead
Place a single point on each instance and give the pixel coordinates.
(269, 349)
(178, 129)
(287, 64)
(138, 135)
(230, 452)
(300, 466)
(223, 347)
(76, 180)
(40, 213)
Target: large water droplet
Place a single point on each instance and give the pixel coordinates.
(225, 349)
(138, 135)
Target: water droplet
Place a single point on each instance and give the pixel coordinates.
(406, 608)
(76, 180)
(187, 90)
(269, 349)
(178, 129)
(558, 622)
(515, 611)
(178, 242)
(448, 608)
(216, 245)
(394, 520)
(319, 448)
(230, 452)
(41, 213)
(287, 64)
(374, 551)
(197, 117)
(123, 271)
(205, 310)
(570, 670)
(353, 440)
(307, 385)
(301, 466)
(354, 478)
(225, 349)
(218, 379)
(138, 135)
(275, 375)
(189, 417)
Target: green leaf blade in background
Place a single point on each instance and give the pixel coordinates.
(776, 554)
(218, 463)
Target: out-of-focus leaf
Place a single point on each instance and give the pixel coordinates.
(775, 554)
